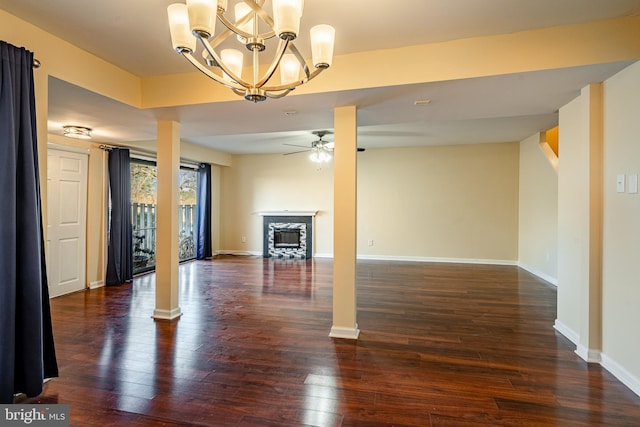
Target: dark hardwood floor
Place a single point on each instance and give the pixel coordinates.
(441, 345)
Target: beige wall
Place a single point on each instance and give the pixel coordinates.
(274, 182)
(450, 202)
(621, 241)
(456, 202)
(538, 212)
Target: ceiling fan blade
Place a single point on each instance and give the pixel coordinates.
(296, 145)
(296, 152)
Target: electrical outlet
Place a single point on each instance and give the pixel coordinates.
(370, 242)
(244, 239)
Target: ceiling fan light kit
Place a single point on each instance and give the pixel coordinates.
(321, 150)
(195, 22)
(320, 155)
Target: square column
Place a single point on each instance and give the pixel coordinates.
(167, 257)
(344, 224)
(590, 344)
(580, 222)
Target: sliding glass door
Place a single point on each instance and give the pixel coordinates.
(188, 213)
(144, 199)
(144, 175)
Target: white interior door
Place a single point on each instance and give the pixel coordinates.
(67, 218)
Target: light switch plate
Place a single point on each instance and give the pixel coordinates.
(632, 184)
(620, 183)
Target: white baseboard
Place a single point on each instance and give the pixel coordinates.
(96, 285)
(325, 255)
(544, 276)
(238, 253)
(391, 258)
(257, 253)
(569, 333)
(436, 259)
(588, 355)
(621, 373)
(161, 314)
(343, 332)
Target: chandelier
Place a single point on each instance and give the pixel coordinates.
(195, 21)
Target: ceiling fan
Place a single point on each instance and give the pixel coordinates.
(321, 150)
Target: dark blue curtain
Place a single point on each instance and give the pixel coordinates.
(204, 250)
(27, 354)
(120, 251)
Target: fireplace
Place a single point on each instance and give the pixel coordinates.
(286, 238)
(287, 234)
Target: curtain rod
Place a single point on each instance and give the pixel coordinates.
(107, 147)
(143, 151)
(36, 63)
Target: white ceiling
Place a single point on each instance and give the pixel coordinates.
(134, 35)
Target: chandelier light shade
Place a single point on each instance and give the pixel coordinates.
(286, 19)
(194, 23)
(202, 15)
(181, 37)
(322, 38)
(289, 69)
(234, 60)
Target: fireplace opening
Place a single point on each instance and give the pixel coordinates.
(286, 238)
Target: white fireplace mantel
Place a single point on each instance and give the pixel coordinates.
(287, 213)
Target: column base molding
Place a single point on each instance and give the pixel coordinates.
(160, 314)
(342, 332)
(587, 354)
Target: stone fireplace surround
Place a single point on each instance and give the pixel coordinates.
(302, 220)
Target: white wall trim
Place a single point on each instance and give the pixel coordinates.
(342, 332)
(392, 258)
(242, 253)
(588, 355)
(544, 276)
(327, 255)
(96, 285)
(568, 333)
(621, 373)
(161, 314)
(436, 259)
